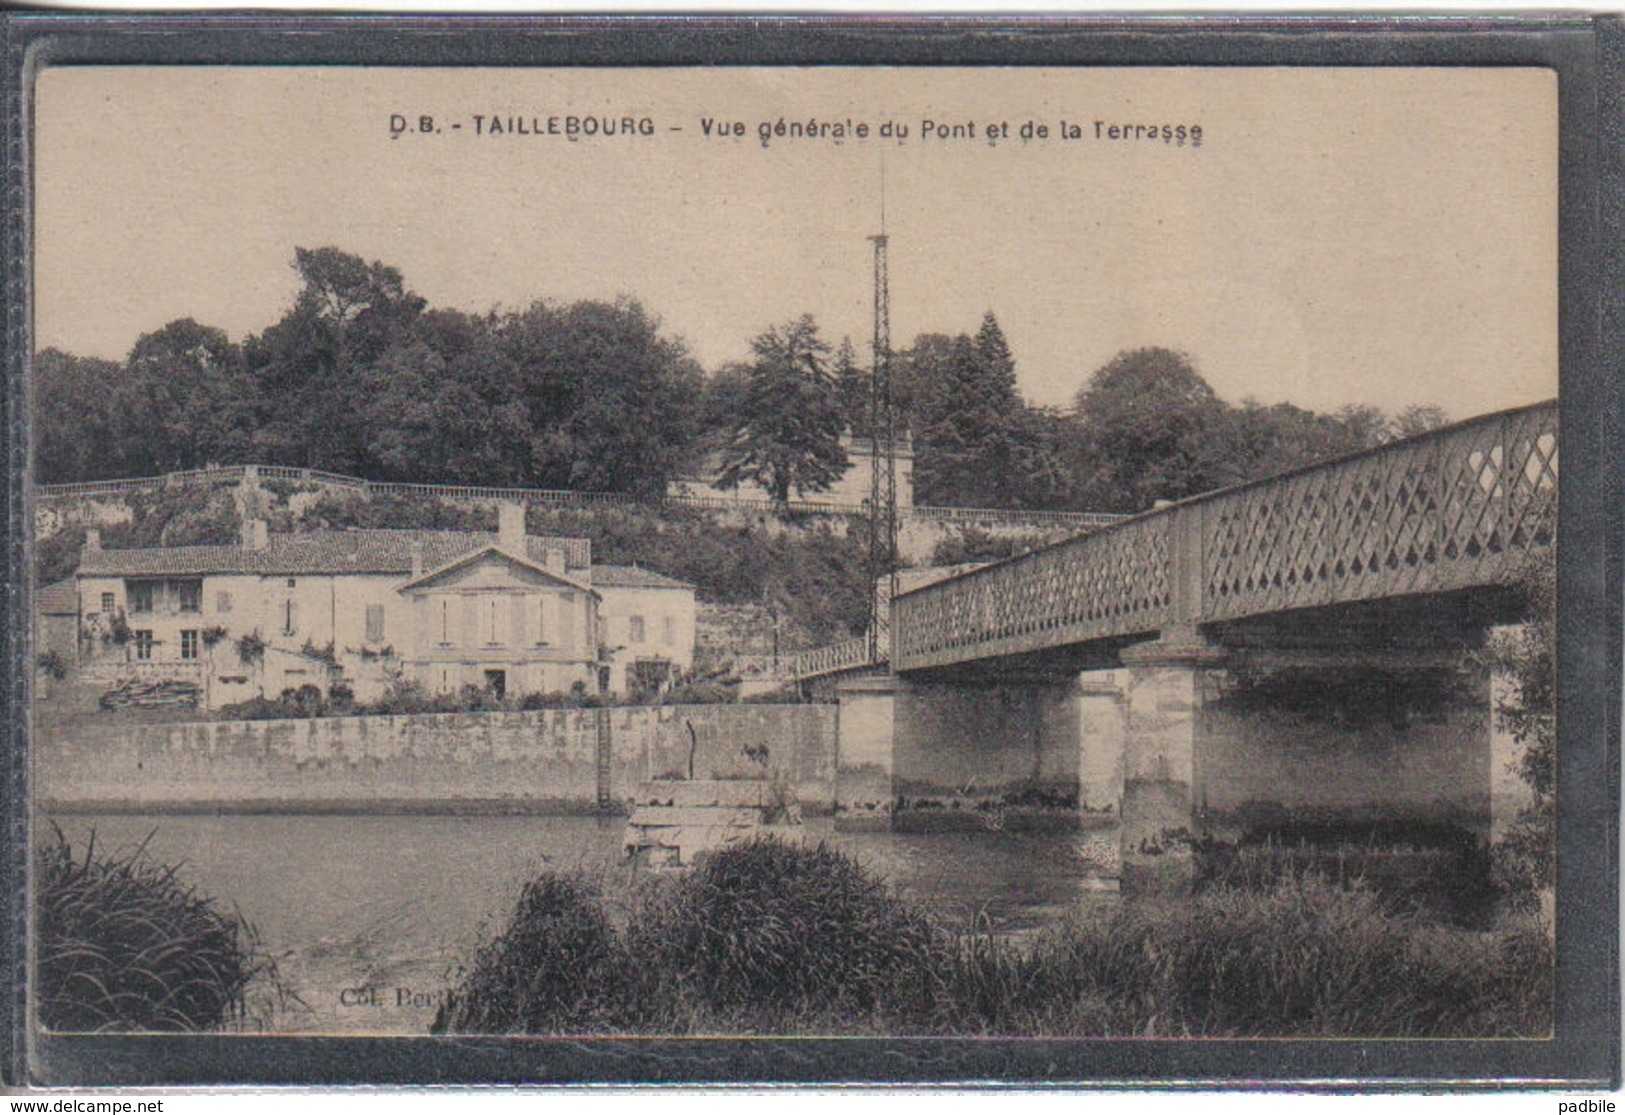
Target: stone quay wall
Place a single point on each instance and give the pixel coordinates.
(560, 760)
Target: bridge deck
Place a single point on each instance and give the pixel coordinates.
(1454, 509)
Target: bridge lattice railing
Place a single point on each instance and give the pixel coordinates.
(1113, 582)
(834, 658)
(1457, 508)
(1450, 510)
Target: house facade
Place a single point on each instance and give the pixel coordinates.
(649, 628)
(508, 612)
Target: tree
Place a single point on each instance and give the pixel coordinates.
(1525, 858)
(1146, 414)
(77, 427)
(1367, 426)
(1047, 450)
(1416, 420)
(441, 407)
(789, 436)
(968, 451)
(1254, 441)
(917, 374)
(996, 368)
(854, 387)
(184, 400)
(613, 404)
(307, 365)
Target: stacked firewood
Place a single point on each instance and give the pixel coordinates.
(135, 693)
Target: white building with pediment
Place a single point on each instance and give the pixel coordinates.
(508, 612)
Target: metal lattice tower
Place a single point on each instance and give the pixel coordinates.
(882, 565)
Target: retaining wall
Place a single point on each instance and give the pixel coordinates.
(521, 761)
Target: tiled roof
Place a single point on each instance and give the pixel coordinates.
(60, 599)
(322, 552)
(631, 576)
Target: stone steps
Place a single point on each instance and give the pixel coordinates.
(672, 822)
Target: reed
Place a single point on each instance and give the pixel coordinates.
(125, 945)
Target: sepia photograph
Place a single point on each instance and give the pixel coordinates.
(794, 552)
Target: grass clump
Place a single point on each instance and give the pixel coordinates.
(124, 945)
(762, 935)
(556, 969)
(1301, 957)
(780, 934)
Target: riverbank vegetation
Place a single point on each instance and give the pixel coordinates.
(765, 937)
(125, 945)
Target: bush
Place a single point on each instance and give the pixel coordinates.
(1441, 871)
(793, 933)
(770, 937)
(700, 693)
(1301, 958)
(54, 664)
(761, 935)
(124, 945)
(555, 970)
(1526, 857)
(973, 544)
(291, 704)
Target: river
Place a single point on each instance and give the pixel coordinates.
(370, 917)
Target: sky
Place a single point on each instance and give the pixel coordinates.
(1339, 236)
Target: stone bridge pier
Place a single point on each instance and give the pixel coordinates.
(1186, 746)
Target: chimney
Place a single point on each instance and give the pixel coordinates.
(93, 539)
(256, 534)
(417, 560)
(511, 528)
(555, 559)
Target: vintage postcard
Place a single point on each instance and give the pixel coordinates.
(759, 552)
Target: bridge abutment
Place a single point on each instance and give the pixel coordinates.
(1167, 689)
(920, 756)
(1327, 752)
(864, 753)
(1000, 756)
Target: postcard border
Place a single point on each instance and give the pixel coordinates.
(1588, 53)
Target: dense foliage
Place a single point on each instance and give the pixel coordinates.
(361, 376)
(772, 928)
(1526, 856)
(768, 937)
